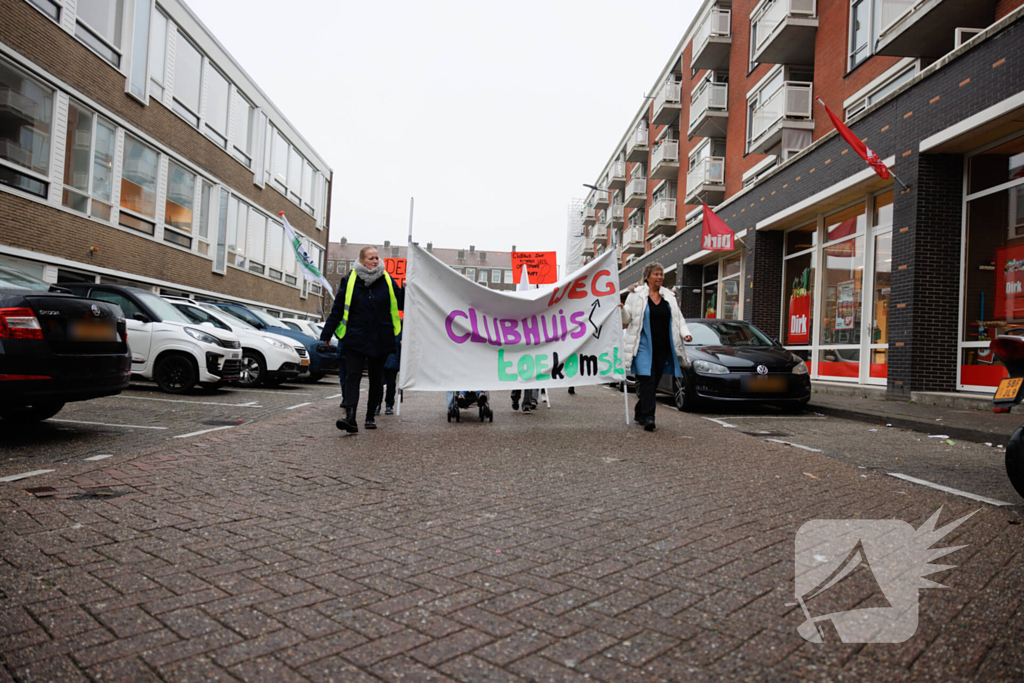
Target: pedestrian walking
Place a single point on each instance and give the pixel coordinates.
(365, 320)
(653, 340)
(529, 397)
(390, 379)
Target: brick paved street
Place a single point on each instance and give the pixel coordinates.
(559, 546)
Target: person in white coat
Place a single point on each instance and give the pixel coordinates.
(655, 333)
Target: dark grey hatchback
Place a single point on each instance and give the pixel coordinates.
(734, 361)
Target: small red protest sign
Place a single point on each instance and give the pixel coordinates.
(541, 266)
(396, 269)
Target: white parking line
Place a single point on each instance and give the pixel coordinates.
(298, 406)
(777, 417)
(947, 489)
(100, 457)
(203, 431)
(24, 475)
(721, 422)
(276, 390)
(795, 445)
(104, 424)
(250, 404)
(327, 398)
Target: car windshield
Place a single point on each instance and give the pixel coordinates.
(163, 308)
(16, 279)
(267, 319)
(235, 323)
(319, 329)
(726, 333)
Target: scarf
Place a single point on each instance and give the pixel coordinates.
(369, 276)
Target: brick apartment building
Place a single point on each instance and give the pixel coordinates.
(870, 283)
(135, 150)
(492, 269)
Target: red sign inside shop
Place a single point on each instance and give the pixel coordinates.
(1010, 283)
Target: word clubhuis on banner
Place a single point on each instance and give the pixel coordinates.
(459, 334)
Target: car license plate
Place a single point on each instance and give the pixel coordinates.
(235, 356)
(1009, 388)
(91, 331)
(767, 384)
(305, 362)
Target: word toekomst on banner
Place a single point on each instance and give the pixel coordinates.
(459, 335)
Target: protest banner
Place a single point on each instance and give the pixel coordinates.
(542, 266)
(459, 335)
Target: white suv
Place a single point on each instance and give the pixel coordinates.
(267, 358)
(165, 345)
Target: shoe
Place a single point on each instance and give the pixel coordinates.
(389, 411)
(533, 404)
(515, 405)
(370, 424)
(348, 423)
(526, 408)
(572, 391)
(377, 411)
(649, 426)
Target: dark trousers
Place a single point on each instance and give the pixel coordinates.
(354, 362)
(646, 391)
(531, 395)
(342, 373)
(391, 382)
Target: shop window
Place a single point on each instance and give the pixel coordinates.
(1003, 164)
(798, 285)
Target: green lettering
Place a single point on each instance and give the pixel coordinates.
(572, 364)
(525, 366)
(604, 359)
(503, 366)
(617, 362)
(542, 367)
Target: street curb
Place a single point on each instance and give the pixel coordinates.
(922, 426)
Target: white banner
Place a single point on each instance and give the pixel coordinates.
(459, 335)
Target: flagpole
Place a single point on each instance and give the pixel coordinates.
(844, 131)
(401, 393)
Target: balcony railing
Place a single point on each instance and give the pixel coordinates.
(600, 199)
(599, 235)
(589, 215)
(891, 11)
(793, 100)
(618, 213)
(668, 151)
(670, 96)
(707, 171)
(637, 187)
(617, 173)
(662, 210)
(716, 23)
(772, 13)
(712, 97)
(636, 147)
(634, 235)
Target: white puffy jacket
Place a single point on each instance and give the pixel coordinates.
(633, 320)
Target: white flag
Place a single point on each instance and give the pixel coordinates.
(309, 270)
(459, 335)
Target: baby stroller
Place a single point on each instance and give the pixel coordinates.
(464, 399)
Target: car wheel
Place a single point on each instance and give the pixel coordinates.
(36, 413)
(1015, 460)
(682, 396)
(175, 374)
(315, 377)
(254, 370)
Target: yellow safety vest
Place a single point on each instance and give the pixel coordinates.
(395, 320)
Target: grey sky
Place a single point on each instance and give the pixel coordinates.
(490, 114)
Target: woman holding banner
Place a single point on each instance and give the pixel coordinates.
(653, 340)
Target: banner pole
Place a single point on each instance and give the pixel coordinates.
(401, 392)
(412, 201)
(615, 249)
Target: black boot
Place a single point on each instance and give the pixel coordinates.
(349, 422)
(369, 424)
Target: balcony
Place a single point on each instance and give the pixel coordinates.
(636, 193)
(617, 175)
(783, 31)
(665, 160)
(588, 248)
(618, 215)
(636, 146)
(706, 181)
(791, 106)
(668, 103)
(615, 214)
(927, 28)
(589, 215)
(662, 218)
(633, 241)
(709, 110)
(600, 199)
(599, 235)
(712, 40)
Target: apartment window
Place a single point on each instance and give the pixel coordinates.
(508, 277)
(138, 73)
(471, 273)
(865, 24)
(220, 256)
(27, 109)
(158, 55)
(99, 27)
(307, 186)
(330, 268)
(178, 211)
(205, 201)
(188, 80)
(482, 277)
(48, 7)
(294, 174)
(218, 92)
(257, 238)
(496, 277)
(138, 185)
(88, 163)
(238, 223)
(878, 92)
(241, 145)
(275, 242)
(280, 159)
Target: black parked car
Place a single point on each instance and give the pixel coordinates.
(734, 361)
(56, 348)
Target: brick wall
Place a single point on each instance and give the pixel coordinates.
(762, 281)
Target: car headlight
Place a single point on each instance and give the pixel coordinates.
(801, 369)
(709, 368)
(199, 335)
(277, 343)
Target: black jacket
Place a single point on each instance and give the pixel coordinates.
(370, 329)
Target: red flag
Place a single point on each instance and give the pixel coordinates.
(858, 146)
(715, 234)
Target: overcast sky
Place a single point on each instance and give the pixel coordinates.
(490, 114)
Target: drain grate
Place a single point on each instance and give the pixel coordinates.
(42, 491)
(97, 494)
(223, 423)
(767, 433)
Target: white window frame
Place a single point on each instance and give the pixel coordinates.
(92, 162)
(861, 100)
(719, 284)
(94, 33)
(46, 180)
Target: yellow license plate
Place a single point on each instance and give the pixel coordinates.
(91, 330)
(305, 362)
(1008, 388)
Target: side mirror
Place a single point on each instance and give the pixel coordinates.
(208, 325)
(141, 317)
